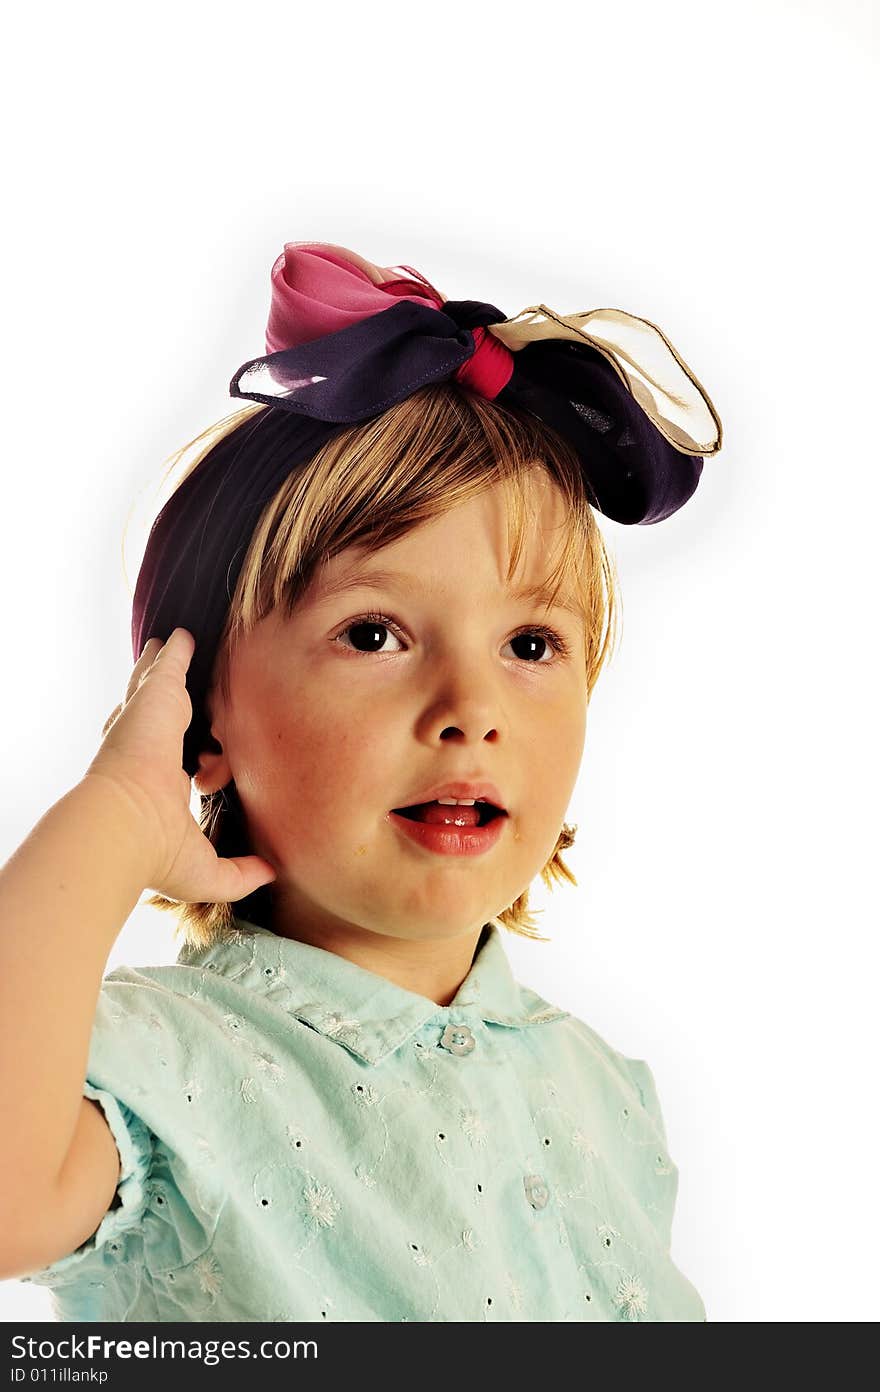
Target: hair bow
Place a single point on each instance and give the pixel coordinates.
(346, 339)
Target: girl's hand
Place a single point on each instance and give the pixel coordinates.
(142, 756)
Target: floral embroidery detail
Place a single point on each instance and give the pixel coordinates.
(248, 1090)
(661, 1166)
(632, 1297)
(295, 1136)
(337, 1025)
(458, 1039)
(269, 1065)
(205, 1152)
(474, 1128)
(419, 1257)
(584, 1145)
(365, 1093)
(192, 1091)
(210, 1276)
(233, 1022)
(322, 1205)
(364, 1176)
(467, 1239)
(606, 1232)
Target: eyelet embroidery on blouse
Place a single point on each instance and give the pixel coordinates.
(270, 1066)
(339, 1027)
(583, 1145)
(661, 1165)
(296, 1136)
(365, 1093)
(514, 1292)
(607, 1234)
(248, 1090)
(321, 1204)
(206, 1154)
(557, 1140)
(210, 1276)
(474, 1127)
(632, 1297)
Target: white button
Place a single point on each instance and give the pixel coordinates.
(458, 1039)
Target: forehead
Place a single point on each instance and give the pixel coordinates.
(470, 547)
(369, 575)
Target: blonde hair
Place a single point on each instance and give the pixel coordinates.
(367, 486)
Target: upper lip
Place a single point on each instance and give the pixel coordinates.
(481, 789)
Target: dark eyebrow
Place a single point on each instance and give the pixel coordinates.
(396, 580)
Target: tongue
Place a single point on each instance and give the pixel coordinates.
(438, 815)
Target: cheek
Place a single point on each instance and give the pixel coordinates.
(313, 771)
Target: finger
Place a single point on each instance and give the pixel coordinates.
(179, 648)
(142, 666)
(239, 876)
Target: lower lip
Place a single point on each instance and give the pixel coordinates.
(451, 840)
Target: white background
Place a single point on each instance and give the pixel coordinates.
(706, 167)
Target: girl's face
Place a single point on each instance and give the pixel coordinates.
(324, 738)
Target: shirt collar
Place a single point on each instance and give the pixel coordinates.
(363, 1012)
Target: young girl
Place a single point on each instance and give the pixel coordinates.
(369, 621)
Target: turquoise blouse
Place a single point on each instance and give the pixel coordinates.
(302, 1139)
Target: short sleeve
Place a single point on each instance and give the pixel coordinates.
(643, 1079)
(134, 1141)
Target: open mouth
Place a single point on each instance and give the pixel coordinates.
(480, 814)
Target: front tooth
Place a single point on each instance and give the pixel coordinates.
(457, 802)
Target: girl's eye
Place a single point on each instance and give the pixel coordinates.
(367, 637)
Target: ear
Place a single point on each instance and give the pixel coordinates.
(213, 772)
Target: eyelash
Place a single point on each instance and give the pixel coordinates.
(541, 630)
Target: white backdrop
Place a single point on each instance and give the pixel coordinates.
(704, 167)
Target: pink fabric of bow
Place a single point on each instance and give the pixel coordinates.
(318, 288)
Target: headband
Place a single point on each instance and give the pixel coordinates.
(347, 339)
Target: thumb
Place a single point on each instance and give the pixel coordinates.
(244, 874)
